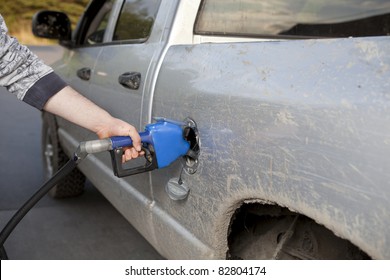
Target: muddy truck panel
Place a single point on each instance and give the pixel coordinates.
(301, 124)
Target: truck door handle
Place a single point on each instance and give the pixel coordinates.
(130, 80)
(84, 73)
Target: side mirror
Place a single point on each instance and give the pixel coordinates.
(52, 25)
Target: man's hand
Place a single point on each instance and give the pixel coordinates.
(118, 127)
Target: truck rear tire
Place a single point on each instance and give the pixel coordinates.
(273, 232)
(54, 158)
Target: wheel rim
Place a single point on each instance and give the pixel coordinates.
(48, 154)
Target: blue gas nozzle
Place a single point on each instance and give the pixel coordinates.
(163, 143)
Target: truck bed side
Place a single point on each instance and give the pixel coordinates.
(302, 124)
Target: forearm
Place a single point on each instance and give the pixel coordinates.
(75, 108)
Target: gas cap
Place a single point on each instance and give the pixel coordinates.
(176, 189)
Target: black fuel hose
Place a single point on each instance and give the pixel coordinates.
(18, 216)
(85, 148)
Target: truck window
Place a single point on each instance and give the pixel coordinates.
(298, 18)
(136, 20)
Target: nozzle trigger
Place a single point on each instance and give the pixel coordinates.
(119, 169)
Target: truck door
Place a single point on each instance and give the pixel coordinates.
(120, 76)
(81, 59)
(119, 81)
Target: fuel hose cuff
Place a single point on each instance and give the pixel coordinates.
(96, 146)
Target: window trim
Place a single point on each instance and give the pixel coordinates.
(85, 21)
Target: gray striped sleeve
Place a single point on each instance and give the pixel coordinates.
(23, 73)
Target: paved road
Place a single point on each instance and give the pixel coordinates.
(86, 227)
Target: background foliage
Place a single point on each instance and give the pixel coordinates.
(18, 15)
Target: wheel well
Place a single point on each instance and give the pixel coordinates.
(264, 231)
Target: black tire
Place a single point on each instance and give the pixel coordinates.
(54, 158)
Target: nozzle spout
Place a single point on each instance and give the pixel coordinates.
(91, 147)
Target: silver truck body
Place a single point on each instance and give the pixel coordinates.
(299, 124)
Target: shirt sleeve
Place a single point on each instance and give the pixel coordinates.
(24, 74)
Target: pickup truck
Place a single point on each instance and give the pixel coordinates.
(290, 107)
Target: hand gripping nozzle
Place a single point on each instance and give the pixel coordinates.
(163, 142)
